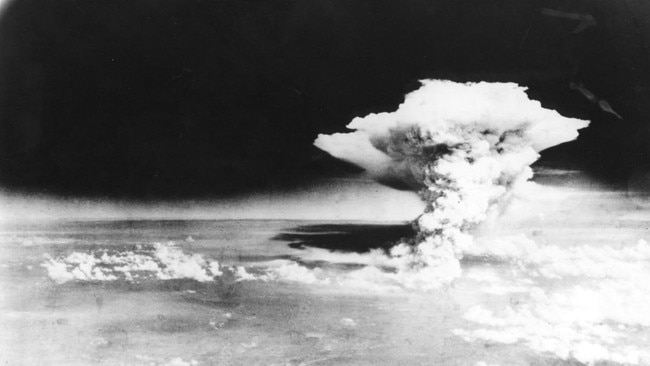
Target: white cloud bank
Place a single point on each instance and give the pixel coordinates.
(330, 199)
(587, 303)
(158, 261)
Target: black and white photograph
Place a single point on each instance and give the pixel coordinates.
(324, 182)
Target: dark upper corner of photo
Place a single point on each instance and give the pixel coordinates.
(201, 98)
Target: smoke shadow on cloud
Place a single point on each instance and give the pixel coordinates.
(358, 238)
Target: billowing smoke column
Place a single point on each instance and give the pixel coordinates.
(464, 147)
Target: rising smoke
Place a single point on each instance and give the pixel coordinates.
(465, 148)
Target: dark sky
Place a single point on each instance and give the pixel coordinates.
(186, 98)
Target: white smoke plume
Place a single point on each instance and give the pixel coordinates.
(464, 147)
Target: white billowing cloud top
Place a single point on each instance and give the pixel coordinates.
(441, 105)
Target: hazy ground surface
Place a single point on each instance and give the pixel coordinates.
(290, 308)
